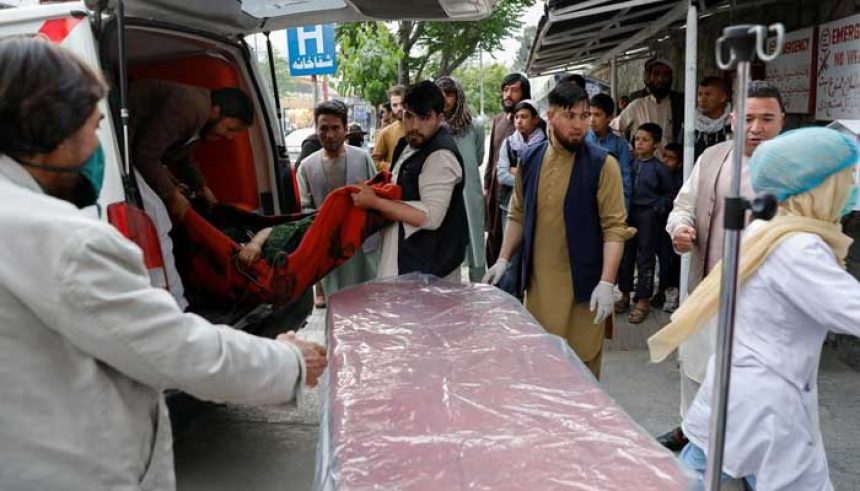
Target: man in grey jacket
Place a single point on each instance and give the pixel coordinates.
(696, 224)
(87, 345)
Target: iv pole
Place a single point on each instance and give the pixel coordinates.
(744, 42)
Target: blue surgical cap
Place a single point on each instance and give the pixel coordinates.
(800, 160)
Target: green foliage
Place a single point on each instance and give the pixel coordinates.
(367, 60)
(373, 57)
(454, 42)
(470, 76)
(286, 83)
(526, 39)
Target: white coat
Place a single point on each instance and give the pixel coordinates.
(87, 347)
(784, 312)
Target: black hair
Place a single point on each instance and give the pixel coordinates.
(652, 129)
(603, 102)
(46, 95)
(675, 147)
(387, 106)
(234, 103)
(333, 108)
(764, 90)
(525, 105)
(423, 97)
(566, 95)
(512, 78)
(575, 78)
(717, 82)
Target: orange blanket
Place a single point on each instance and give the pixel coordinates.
(336, 234)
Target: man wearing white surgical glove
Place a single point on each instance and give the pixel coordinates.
(568, 215)
(495, 273)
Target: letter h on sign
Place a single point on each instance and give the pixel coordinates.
(312, 50)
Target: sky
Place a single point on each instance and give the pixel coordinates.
(511, 45)
(506, 53)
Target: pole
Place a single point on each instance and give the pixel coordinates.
(690, 84)
(316, 90)
(743, 42)
(128, 177)
(276, 92)
(481, 72)
(613, 78)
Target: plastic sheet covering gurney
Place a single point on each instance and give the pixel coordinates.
(300, 251)
(441, 386)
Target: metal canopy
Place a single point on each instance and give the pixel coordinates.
(581, 33)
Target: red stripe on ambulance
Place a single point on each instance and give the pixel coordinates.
(57, 30)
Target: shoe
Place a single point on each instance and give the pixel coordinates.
(638, 314)
(658, 299)
(671, 303)
(622, 306)
(673, 440)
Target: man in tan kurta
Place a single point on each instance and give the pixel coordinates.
(387, 138)
(549, 289)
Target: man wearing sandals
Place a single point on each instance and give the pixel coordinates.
(696, 225)
(568, 214)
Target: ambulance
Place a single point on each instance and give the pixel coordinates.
(202, 43)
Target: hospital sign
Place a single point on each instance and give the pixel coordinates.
(312, 50)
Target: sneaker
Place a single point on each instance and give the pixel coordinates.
(658, 299)
(671, 303)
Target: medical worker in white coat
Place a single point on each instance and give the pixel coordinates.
(793, 291)
(87, 346)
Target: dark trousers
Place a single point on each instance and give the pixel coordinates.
(640, 253)
(670, 262)
(851, 227)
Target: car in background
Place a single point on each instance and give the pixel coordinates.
(294, 143)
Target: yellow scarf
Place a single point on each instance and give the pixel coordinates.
(816, 211)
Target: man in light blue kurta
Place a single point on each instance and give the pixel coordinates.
(334, 166)
(468, 132)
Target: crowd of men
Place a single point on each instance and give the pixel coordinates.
(574, 201)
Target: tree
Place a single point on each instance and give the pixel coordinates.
(418, 49)
(367, 60)
(470, 76)
(286, 83)
(452, 43)
(526, 40)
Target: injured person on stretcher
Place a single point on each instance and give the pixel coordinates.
(285, 255)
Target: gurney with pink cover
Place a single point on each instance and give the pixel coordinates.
(440, 386)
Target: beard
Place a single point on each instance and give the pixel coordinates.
(571, 146)
(415, 140)
(659, 92)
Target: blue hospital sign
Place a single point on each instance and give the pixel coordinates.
(312, 50)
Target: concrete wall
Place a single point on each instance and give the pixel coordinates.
(794, 14)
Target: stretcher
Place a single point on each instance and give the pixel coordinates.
(441, 386)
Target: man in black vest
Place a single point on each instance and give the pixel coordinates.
(429, 233)
(568, 220)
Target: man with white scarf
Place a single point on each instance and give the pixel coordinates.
(712, 113)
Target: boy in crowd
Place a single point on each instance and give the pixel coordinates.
(528, 131)
(652, 185)
(602, 109)
(670, 262)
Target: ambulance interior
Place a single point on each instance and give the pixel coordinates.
(248, 171)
